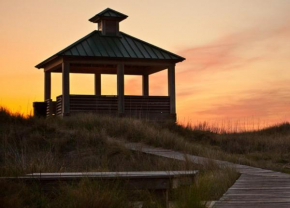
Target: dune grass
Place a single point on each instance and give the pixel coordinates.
(86, 193)
(86, 143)
(267, 148)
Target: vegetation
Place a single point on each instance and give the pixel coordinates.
(267, 148)
(87, 143)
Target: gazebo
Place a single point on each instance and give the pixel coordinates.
(107, 50)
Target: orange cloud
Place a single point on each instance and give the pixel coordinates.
(272, 103)
(210, 81)
(228, 52)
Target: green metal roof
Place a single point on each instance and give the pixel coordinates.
(108, 13)
(124, 46)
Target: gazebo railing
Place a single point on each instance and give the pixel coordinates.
(50, 107)
(136, 106)
(92, 103)
(149, 107)
(58, 105)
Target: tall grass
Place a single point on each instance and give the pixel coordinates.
(266, 148)
(86, 193)
(57, 141)
(210, 186)
(230, 125)
(86, 143)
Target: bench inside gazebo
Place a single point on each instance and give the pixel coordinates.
(109, 51)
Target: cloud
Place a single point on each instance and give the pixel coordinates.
(233, 51)
(203, 78)
(267, 104)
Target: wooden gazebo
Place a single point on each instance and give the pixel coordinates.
(110, 51)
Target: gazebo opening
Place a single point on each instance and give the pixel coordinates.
(81, 84)
(133, 85)
(108, 51)
(158, 84)
(109, 84)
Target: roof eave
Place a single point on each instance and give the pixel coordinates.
(168, 61)
(183, 59)
(97, 18)
(180, 60)
(42, 64)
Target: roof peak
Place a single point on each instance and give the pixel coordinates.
(108, 14)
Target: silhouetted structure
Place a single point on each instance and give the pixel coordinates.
(110, 51)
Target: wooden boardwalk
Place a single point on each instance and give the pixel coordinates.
(256, 187)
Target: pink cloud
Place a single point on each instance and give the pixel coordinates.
(273, 104)
(224, 53)
(230, 53)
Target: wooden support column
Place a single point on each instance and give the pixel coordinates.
(145, 85)
(120, 89)
(65, 89)
(171, 88)
(97, 83)
(47, 85)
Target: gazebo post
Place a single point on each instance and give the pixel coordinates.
(145, 85)
(120, 89)
(97, 83)
(65, 89)
(47, 85)
(171, 89)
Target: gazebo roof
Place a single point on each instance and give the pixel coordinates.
(127, 47)
(117, 46)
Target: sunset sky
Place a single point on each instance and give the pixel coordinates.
(237, 53)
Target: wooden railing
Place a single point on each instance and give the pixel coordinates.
(58, 110)
(155, 107)
(50, 107)
(135, 106)
(92, 103)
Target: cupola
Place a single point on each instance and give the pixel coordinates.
(108, 21)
